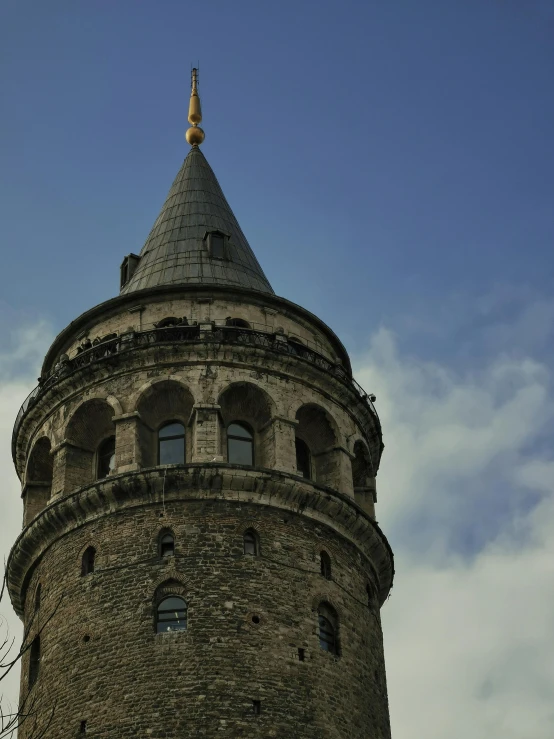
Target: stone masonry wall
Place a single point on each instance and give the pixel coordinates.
(103, 663)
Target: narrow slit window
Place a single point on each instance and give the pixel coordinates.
(325, 564)
(171, 443)
(106, 458)
(34, 661)
(88, 561)
(303, 459)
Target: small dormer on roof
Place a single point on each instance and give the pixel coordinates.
(196, 238)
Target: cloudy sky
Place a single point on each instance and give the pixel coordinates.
(391, 164)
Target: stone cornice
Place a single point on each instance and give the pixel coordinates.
(217, 481)
(155, 294)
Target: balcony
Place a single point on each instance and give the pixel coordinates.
(194, 334)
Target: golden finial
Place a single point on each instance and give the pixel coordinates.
(195, 135)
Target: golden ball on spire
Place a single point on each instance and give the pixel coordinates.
(195, 135)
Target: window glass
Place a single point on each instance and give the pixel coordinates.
(167, 545)
(171, 615)
(328, 623)
(240, 446)
(240, 451)
(217, 246)
(106, 458)
(237, 429)
(171, 444)
(172, 429)
(250, 543)
(326, 635)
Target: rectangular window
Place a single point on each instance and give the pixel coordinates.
(257, 707)
(217, 246)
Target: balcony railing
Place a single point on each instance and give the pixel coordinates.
(192, 334)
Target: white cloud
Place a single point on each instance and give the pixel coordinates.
(467, 501)
(18, 372)
(468, 629)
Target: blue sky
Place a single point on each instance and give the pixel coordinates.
(382, 158)
(391, 164)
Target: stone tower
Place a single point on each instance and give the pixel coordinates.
(200, 556)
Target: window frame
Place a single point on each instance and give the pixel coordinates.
(251, 441)
(166, 534)
(251, 535)
(328, 629)
(88, 561)
(298, 441)
(172, 438)
(157, 621)
(208, 238)
(325, 565)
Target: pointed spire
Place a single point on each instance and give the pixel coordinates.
(179, 250)
(196, 238)
(195, 135)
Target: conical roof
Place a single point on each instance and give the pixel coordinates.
(176, 251)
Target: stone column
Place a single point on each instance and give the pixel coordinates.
(73, 467)
(127, 453)
(35, 497)
(206, 433)
(277, 439)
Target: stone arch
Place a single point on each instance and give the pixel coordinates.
(318, 430)
(159, 403)
(362, 478)
(90, 425)
(38, 478)
(247, 403)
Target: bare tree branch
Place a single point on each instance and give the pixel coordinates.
(36, 720)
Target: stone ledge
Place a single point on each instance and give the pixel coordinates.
(216, 481)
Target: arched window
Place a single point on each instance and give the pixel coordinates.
(251, 543)
(325, 562)
(106, 458)
(37, 597)
(167, 545)
(328, 628)
(167, 322)
(171, 443)
(237, 322)
(171, 615)
(303, 459)
(240, 444)
(87, 561)
(34, 661)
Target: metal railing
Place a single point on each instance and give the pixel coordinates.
(193, 334)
